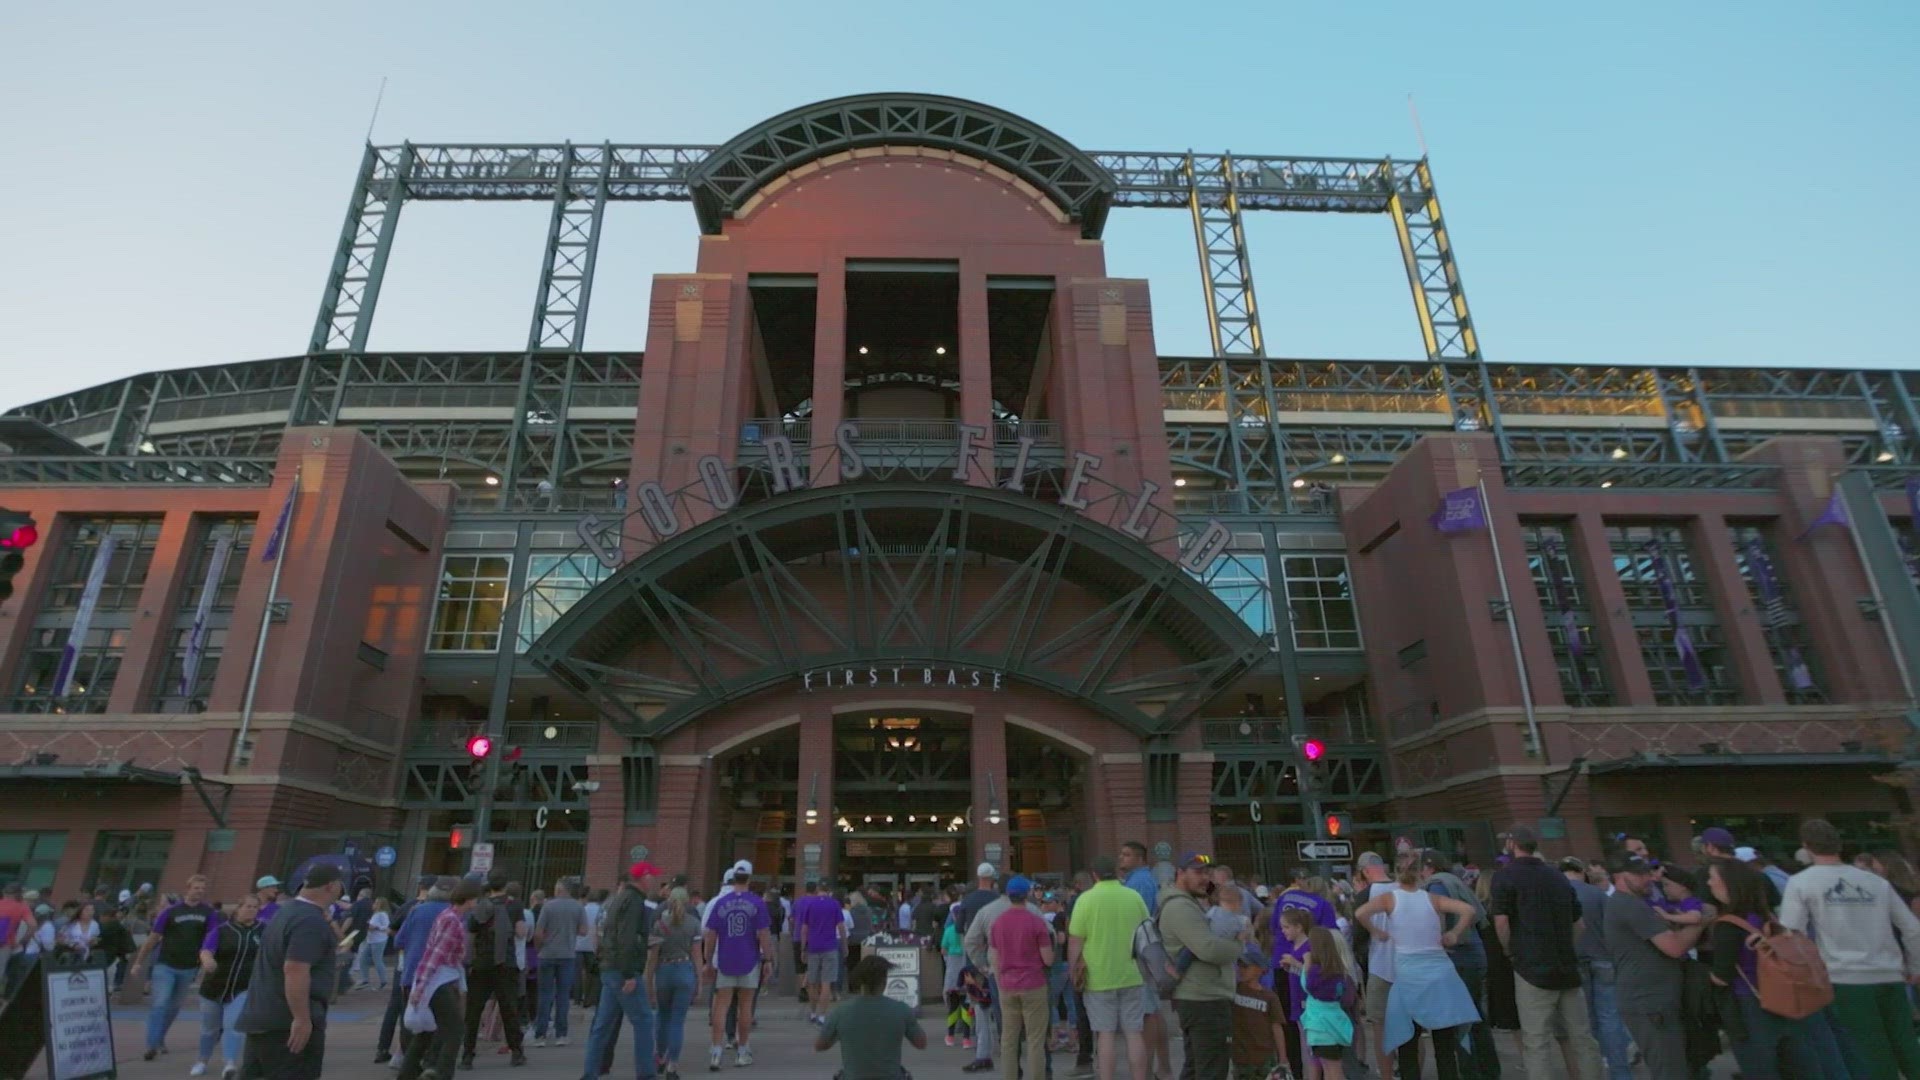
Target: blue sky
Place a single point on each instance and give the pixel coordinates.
(1731, 187)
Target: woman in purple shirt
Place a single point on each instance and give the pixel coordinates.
(1765, 1046)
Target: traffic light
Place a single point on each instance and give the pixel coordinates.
(479, 746)
(1313, 762)
(1313, 749)
(1338, 826)
(17, 533)
(460, 837)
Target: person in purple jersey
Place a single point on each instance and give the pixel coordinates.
(820, 930)
(1305, 894)
(177, 934)
(740, 943)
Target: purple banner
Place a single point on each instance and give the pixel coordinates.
(1913, 502)
(279, 535)
(1460, 511)
(1552, 557)
(1773, 607)
(1834, 514)
(197, 637)
(1682, 641)
(83, 617)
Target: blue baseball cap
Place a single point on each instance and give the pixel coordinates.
(1018, 886)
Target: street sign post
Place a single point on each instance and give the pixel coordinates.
(1324, 850)
(384, 856)
(483, 858)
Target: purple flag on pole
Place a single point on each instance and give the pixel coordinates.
(197, 637)
(1773, 607)
(1460, 511)
(279, 534)
(1682, 641)
(1834, 514)
(82, 617)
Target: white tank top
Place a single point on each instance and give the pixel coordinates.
(1414, 923)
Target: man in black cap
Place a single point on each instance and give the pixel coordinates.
(1647, 955)
(1536, 915)
(285, 1019)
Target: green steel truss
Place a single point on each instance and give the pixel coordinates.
(941, 575)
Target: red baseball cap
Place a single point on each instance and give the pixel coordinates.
(644, 869)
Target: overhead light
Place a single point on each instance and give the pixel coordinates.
(869, 819)
(493, 481)
(1179, 481)
(1884, 456)
(889, 819)
(863, 350)
(551, 732)
(939, 350)
(1338, 459)
(147, 447)
(1299, 482)
(1606, 483)
(813, 802)
(1619, 453)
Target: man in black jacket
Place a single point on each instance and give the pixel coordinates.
(492, 970)
(626, 922)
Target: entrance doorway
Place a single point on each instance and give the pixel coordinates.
(902, 787)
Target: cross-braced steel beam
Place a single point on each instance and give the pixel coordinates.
(573, 245)
(1233, 319)
(360, 261)
(1438, 299)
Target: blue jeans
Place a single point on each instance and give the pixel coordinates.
(371, 962)
(216, 1023)
(556, 993)
(1806, 1047)
(606, 1021)
(1603, 1010)
(673, 985)
(169, 991)
(1057, 993)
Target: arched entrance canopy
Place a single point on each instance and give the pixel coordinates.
(735, 170)
(904, 588)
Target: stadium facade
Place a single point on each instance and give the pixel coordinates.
(900, 548)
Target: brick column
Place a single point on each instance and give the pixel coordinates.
(976, 369)
(1612, 622)
(829, 368)
(990, 759)
(1746, 643)
(145, 656)
(816, 760)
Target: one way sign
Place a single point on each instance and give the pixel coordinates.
(1324, 850)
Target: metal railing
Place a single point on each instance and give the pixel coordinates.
(902, 430)
(451, 735)
(137, 470)
(1275, 731)
(1639, 475)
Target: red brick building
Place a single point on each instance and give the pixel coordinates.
(900, 548)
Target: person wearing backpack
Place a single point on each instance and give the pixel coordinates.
(491, 970)
(1774, 980)
(1203, 999)
(1870, 942)
(1100, 963)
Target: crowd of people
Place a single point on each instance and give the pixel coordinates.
(1602, 967)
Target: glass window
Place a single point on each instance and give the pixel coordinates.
(1320, 598)
(1787, 639)
(167, 694)
(128, 860)
(134, 540)
(554, 584)
(473, 596)
(1569, 617)
(1239, 579)
(95, 667)
(31, 858)
(1645, 556)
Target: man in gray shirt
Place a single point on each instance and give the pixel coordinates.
(1597, 973)
(1647, 955)
(562, 919)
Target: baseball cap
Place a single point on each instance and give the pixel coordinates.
(743, 868)
(1196, 861)
(1572, 864)
(1261, 892)
(1369, 858)
(1627, 863)
(986, 869)
(643, 869)
(1746, 854)
(267, 882)
(1682, 877)
(1718, 837)
(1018, 886)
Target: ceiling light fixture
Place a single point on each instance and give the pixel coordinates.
(939, 350)
(863, 350)
(493, 481)
(1338, 459)
(1179, 481)
(1619, 453)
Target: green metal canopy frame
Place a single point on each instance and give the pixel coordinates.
(907, 557)
(729, 175)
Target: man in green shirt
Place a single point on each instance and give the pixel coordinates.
(1100, 952)
(869, 1026)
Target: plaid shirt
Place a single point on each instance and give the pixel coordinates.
(446, 947)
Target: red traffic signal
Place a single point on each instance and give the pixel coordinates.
(1313, 749)
(1333, 825)
(17, 533)
(479, 746)
(21, 537)
(457, 838)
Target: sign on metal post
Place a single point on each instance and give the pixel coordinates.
(483, 858)
(384, 856)
(1324, 850)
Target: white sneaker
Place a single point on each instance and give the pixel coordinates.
(560, 1040)
(743, 1057)
(199, 1069)
(713, 1059)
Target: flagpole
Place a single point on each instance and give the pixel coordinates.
(1513, 624)
(266, 622)
(1879, 599)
